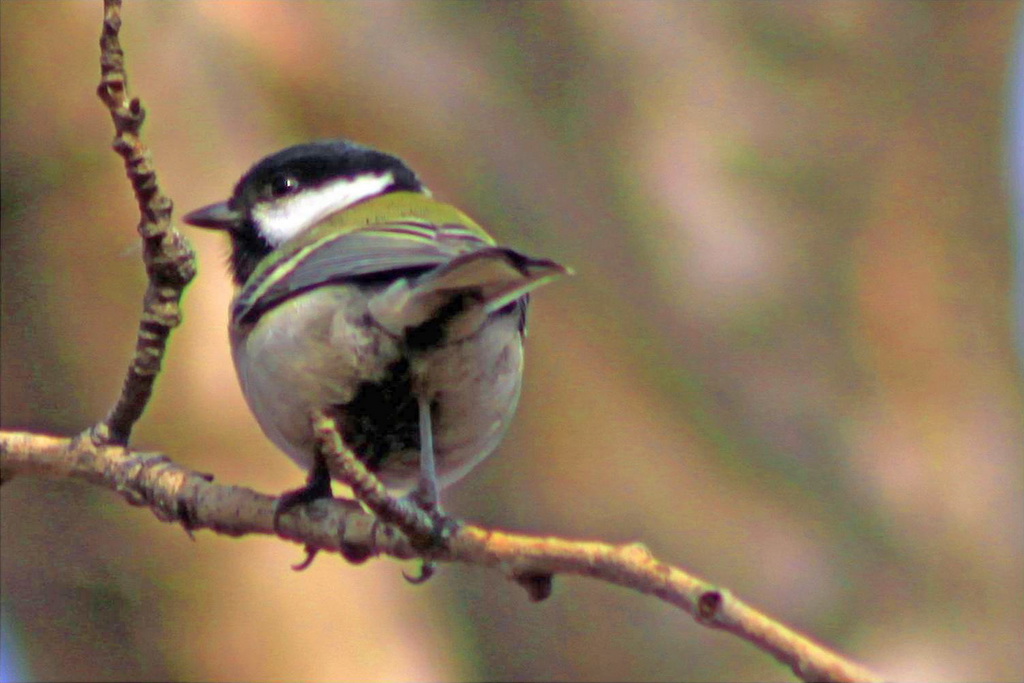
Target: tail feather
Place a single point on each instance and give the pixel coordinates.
(488, 279)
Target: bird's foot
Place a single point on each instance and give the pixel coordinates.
(318, 486)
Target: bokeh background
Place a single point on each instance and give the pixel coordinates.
(786, 363)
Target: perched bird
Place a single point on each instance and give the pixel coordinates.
(360, 295)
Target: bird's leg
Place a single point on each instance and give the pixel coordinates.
(426, 495)
(426, 492)
(318, 485)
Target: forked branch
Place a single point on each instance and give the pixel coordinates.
(169, 260)
(177, 494)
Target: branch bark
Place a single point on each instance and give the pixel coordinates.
(177, 494)
(168, 257)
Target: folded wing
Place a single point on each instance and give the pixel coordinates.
(431, 266)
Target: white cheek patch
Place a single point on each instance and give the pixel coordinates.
(280, 220)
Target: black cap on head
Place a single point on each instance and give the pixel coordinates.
(313, 163)
(305, 166)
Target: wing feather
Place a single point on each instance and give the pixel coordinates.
(389, 249)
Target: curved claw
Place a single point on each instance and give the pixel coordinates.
(426, 571)
(311, 554)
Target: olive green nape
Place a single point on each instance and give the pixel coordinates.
(395, 207)
(379, 234)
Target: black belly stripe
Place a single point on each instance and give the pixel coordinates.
(382, 419)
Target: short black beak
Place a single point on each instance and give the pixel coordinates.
(218, 216)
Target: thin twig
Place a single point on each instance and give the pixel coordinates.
(177, 494)
(169, 260)
(412, 520)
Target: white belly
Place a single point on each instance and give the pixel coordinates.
(329, 350)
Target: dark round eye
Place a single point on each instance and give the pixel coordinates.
(283, 185)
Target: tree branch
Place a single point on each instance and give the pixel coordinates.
(169, 260)
(177, 494)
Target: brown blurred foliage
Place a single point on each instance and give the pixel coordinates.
(785, 361)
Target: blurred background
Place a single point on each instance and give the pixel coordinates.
(786, 363)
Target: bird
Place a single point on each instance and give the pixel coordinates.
(359, 295)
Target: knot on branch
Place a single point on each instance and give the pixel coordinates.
(137, 483)
(170, 261)
(111, 21)
(538, 585)
(112, 86)
(708, 605)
